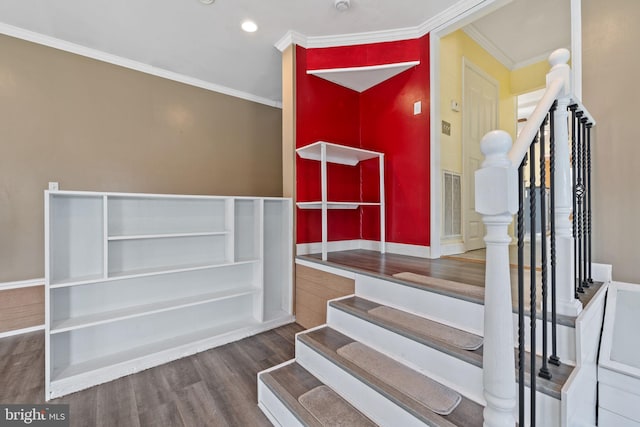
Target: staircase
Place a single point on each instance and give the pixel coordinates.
(412, 353)
(383, 358)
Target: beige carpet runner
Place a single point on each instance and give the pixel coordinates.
(420, 325)
(331, 410)
(461, 288)
(429, 393)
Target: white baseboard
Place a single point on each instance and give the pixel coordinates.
(345, 245)
(601, 272)
(21, 284)
(21, 331)
(451, 248)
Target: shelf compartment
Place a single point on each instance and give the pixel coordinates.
(141, 216)
(117, 298)
(340, 154)
(147, 309)
(89, 280)
(75, 246)
(168, 235)
(277, 265)
(335, 205)
(247, 229)
(84, 350)
(129, 257)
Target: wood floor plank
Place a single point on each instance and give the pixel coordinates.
(213, 388)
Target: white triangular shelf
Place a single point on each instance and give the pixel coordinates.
(363, 78)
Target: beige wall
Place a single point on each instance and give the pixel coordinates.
(95, 126)
(611, 66)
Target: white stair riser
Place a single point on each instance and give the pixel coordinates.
(450, 371)
(455, 312)
(457, 374)
(274, 409)
(461, 314)
(368, 401)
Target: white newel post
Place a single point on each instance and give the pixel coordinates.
(496, 190)
(566, 302)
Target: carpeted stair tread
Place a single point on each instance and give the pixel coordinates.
(331, 410)
(361, 308)
(327, 342)
(455, 337)
(291, 382)
(438, 398)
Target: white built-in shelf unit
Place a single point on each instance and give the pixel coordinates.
(326, 152)
(137, 280)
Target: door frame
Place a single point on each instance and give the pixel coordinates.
(436, 249)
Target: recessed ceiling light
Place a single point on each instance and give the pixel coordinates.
(207, 1)
(249, 26)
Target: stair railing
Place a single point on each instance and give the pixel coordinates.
(500, 189)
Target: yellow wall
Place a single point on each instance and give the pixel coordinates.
(453, 48)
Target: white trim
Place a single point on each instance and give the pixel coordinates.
(601, 272)
(461, 8)
(21, 284)
(327, 269)
(489, 46)
(372, 245)
(66, 46)
(576, 47)
(452, 248)
(291, 37)
(435, 164)
(21, 331)
(316, 247)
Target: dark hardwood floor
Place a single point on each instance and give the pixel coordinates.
(217, 387)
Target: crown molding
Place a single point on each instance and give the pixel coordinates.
(291, 37)
(535, 59)
(489, 46)
(77, 49)
(462, 7)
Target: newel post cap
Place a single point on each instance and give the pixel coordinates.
(496, 181)
(559, 57)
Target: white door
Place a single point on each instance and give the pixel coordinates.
(479, 116)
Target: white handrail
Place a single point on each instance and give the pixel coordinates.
(521, 146)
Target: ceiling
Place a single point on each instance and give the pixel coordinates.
(204, 45)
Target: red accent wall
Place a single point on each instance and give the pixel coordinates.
(379, 119)
(389, 125)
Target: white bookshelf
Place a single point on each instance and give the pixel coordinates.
(327, 152)
(137, 280)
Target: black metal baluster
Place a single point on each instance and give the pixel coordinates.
(521, 331)
(544, 369)
(583, 213)
(532, 278)
(574, 147)
(589, 278)
(553, 359)
(577, 213)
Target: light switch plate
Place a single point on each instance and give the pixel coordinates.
(53, 186)
(417, 108)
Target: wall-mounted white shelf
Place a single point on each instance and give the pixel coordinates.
(326, 152)
(363, 78)
(137, 280)
(335, 205)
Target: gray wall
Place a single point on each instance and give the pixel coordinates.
(611, 92)
(95, 126)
